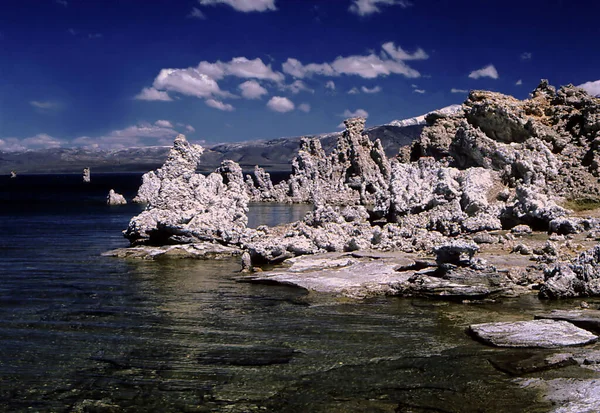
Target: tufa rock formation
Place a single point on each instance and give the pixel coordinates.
(114, 198)
(497, 164)
(86, 175)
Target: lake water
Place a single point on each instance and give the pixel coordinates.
(82, 332)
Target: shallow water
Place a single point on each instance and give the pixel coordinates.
(83, 332)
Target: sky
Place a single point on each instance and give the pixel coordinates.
(113, 74)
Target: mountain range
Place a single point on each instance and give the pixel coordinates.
(273, 154)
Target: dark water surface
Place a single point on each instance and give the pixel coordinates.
(82, 332)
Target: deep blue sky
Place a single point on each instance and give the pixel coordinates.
(74, 71)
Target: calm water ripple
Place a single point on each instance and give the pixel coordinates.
(81, 332)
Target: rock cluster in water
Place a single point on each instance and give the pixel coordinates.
(114, 198)
(480, 179)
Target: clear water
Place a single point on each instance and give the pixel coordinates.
(83, 332)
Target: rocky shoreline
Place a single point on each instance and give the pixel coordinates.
(496, 200)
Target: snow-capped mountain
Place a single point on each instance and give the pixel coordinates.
(420, 120)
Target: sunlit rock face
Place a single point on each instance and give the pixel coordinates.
(185, 206)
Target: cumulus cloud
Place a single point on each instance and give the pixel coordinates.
(187, 82)
(280, 104)
(519, 82)
(488, 71)
(296, 87)
(251, 89)
(196, 13)
(390, 61)
(304, 107)
(39, 141)
(330, 85)
(366, 7)
(526, 56)
(245, 6)
(295, 68)
(217, 104)
(358, 113)
(454, 90)
(163, 123)
(375, 89)
(421, 91)
(353, 91)
(201, 81)
(190, 128)
(397, 53)
(149, 93)
(593, 87)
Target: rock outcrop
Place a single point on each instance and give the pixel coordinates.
(354, 173)
(114, 198)
(496, 163)
(185, 206)
(86, 175)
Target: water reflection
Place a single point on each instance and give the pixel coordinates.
(272, 214)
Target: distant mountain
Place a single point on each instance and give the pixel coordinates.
(420, 120)
(273, 155)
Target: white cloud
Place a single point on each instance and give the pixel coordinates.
(368, 67)
(240, 67)
(593, 88)
(196, 13)
(421, 91)
(397, 53)
(366, 7)
(245, 6)
(375, 89)
(358, 113)
(142, 134)
(371, 66)
(353, 91)
(296, 87)
(95, 36)
(280, 104)
(519, 82)
(304, 107)
(149, 93)
(190, 128)
(295, 68)
(488, 71)
(62, 2)
(526, 56)
(163, 123)
(44, 105)
(330, 85)
(72, 31)
(39, 141)
(454, 90)
(217, 104)
(187, 82)
(251, 89)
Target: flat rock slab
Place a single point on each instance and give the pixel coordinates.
(201, 251)
(338, 274)
(537, 333)
(587, 319)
